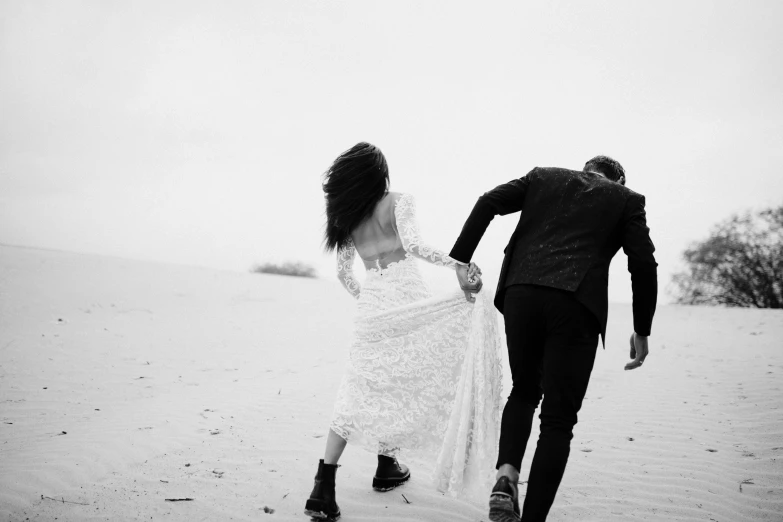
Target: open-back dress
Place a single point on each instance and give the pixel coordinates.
(424, 372)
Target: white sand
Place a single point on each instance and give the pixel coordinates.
(123, 383)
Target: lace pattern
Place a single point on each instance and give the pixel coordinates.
(424, 372)
(408, 229)
(345, 257)
(466, 460)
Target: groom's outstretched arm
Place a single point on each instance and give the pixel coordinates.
(502, 200)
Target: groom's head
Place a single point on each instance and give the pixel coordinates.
(607, 167)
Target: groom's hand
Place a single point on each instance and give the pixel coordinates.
(639, 351)
(469, 283)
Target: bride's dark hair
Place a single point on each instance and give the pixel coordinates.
(357, 180)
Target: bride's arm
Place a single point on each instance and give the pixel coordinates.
(408, 229)
(345, 273)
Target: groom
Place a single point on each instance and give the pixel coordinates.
(553, 295)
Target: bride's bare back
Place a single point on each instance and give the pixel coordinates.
(376, 240)
(390, 235)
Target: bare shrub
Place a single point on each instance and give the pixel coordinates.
(739, 264)
(288, 268)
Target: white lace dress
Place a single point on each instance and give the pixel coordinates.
(424, 373)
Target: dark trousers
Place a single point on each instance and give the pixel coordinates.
(552, 341)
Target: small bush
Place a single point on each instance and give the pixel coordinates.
(288, 268)
(739, 264)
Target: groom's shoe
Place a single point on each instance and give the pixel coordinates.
(322, 504)
(504, 501)
(389, 474)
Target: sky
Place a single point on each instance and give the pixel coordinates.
(197, 132)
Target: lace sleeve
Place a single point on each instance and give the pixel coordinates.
(345, 257)
(408, 229)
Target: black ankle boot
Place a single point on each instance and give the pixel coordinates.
(389, 474)
(322, 503)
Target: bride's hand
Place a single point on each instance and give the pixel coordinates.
(466, 284)
(474, 273)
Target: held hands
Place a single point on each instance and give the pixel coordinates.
(469, 278)
(639, 351)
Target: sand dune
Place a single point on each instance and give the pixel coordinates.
(124, 383)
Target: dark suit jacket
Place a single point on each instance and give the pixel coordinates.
(572, 224)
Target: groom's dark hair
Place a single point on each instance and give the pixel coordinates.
(607, 166)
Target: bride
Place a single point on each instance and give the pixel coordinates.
(424, 373)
